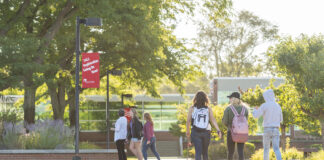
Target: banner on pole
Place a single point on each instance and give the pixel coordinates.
(90, 70)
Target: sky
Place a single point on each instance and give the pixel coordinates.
(293, 17)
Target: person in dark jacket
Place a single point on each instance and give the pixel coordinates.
(135, 134)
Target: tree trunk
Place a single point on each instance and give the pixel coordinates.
(29, 104)
(322, 129)
(283, 137)
(71, 101)
(58, 100)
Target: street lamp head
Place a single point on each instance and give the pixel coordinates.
(93, 22)
(127, 95)
(116, 72)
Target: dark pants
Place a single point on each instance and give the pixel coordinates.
(201, 141)
(145, 146)
(231, 148)
(121, 149)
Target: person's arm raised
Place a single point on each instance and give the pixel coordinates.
(212, 119)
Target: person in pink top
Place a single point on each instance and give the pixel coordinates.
(149, 138)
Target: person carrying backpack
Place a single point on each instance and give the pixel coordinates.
(272, 116)
(199, 116)
(236, 120)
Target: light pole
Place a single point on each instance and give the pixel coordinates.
(87, 22)
(116, 73)
(122, 98)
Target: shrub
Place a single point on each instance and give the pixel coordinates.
(258, 155)
(316, 156)
(290, 153)
(217, 151)
(11, 137)
(189, 153)
(249, 149)
(48, 134)
(87, 145)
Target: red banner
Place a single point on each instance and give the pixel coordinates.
(90, 70)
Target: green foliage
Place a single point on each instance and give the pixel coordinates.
(287, 97)
(300, 61)
(42, 135)
(249, 149)
(48, 135)
(228, 46)
(189, 152)
(316, 155)
(291, 153)
(11, 137)
(10, 115)
(217, 151)
(88, 145)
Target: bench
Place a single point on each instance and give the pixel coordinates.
(308, 151)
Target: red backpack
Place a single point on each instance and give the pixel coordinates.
(240, 127)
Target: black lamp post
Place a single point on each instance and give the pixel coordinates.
(122, 98)
(87, 22)
(116, 73)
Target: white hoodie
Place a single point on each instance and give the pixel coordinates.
(270, 110)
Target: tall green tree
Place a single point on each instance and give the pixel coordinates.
(37, 46)
(227, 48)
(301, 61)
(27, 28)
(134, 38)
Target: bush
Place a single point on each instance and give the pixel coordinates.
(11, 137)
(87, 145)
(249, 149)
(48, 134)
(316, 156)
(217, 151)
(290, 153)
(189, 153)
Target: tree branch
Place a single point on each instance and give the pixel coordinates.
(14, 18)
(309, 113)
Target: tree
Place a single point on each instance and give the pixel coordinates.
(301, 61)
(38, 46)
(27, 28)
(227, 49)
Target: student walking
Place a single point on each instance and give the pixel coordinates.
(120, 134)
(149, 138)
(199, 116)
(135, 134)
(272, 116)
(235, 119)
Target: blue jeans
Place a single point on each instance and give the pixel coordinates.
(271, 134)
(201, 141)
(145, 146)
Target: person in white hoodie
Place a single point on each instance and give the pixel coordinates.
(272, 117)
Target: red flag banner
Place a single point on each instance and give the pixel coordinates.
(90, 70)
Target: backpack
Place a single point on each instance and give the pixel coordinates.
(201, 118)
(240, 127)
